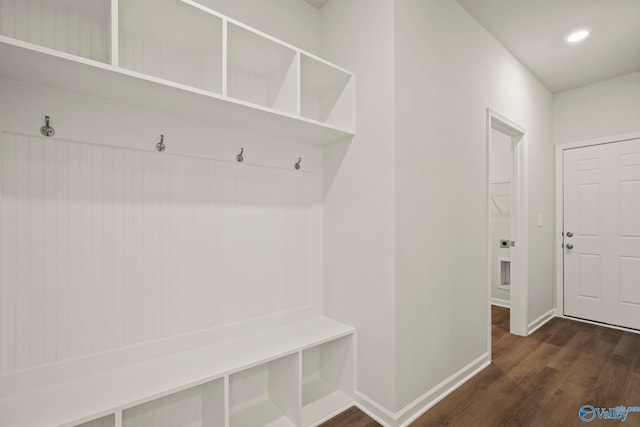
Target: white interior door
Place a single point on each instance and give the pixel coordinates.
(602, 233)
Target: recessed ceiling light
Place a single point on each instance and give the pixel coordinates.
(577, 36)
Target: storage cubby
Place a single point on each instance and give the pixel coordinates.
(78, 27)
(171, 40)
(326, 93)
(261, 71)
(108, 421)
(266, 395)
(201, 406)
(327, 379)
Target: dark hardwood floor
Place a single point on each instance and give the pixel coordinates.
(541, 380)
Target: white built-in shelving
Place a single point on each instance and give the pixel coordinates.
(179, 56)
(261, 71)
(327, 379)
(294, 375)
(326, 92)
(266, 395)
(187, 49)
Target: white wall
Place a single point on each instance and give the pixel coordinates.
(607, 108)
(501, 177)
(448, 71)
(359, 248)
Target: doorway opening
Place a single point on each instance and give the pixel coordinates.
(507, 236)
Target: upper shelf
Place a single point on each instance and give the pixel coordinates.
(204, 64)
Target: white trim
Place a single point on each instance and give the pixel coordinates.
(425, 402)
(604, 325)
(501, 302)
(599, 141)
(519, 287)
(375, 410)
(560, 148)
(422, 404)
(540, 321)
(559, 264)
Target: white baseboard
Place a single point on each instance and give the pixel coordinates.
(501, 302)
(412, 411)
(376, 411)
(540, 321)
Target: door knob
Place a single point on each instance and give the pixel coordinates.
(569, 246)
(569, 234)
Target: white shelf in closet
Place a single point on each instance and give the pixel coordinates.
(203, 64)
(31, 63)
(202, 406)
(327, 92)
(171, 40)
(327, 380)
(77, 27)
(266, 395)
(261, 71)
(74, 402)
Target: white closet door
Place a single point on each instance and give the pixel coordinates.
(602, 233)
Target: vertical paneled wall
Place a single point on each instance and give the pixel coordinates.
(81, 30)
(107, 247)
(201, 406)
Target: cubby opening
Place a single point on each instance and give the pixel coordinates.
(261, 71)
(200, 406)
(327, 379)
(266, 395)
(326, 93)
(180, 43)
(78, 27)
(107, 421)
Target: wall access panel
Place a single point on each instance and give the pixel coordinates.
(78, 27)
(261, 71)
(171, 40)
(326, 93)
(201, 406)
(266, 395)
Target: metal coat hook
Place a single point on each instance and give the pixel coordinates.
(240, 157)
(160, 146)
(297, 164)
(47, 130)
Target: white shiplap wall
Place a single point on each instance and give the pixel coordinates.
(201, 406)
(77, 27)
(106, 247)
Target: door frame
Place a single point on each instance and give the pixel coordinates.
(559, 253)
(519, 292)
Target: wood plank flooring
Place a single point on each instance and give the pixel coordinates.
(541, 380)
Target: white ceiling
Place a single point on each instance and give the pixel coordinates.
(534, 32)
(317, 3)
